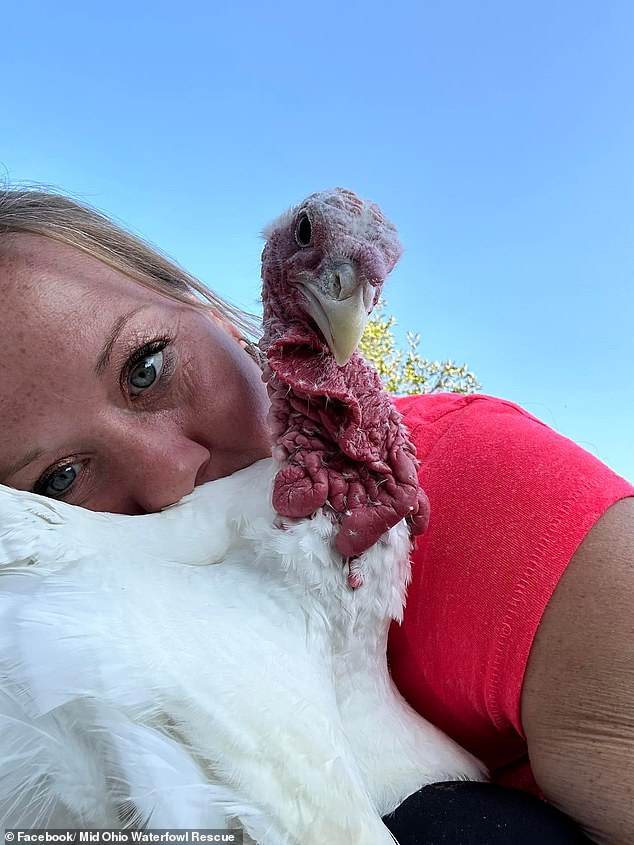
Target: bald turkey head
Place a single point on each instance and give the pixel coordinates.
(324, 265)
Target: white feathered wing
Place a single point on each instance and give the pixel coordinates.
(201, 667)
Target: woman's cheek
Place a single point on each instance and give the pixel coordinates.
(189, 386)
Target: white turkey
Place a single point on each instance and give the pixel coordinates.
(223, 662)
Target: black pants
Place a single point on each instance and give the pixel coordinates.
(468, 813)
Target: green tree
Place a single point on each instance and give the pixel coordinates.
(406, 372)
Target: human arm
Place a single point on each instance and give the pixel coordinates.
(577, 701)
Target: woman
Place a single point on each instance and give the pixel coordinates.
(120, 391)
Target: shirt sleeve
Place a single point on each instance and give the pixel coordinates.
(511, 500)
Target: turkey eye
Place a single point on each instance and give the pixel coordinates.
(303, 232)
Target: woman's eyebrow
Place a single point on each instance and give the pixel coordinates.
(16, 466)
(111, 339)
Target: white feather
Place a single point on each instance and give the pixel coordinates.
(205, 666)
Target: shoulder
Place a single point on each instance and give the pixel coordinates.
(429, 417)
(511, 501)
(499, 447)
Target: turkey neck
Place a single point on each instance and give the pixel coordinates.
(338, 439)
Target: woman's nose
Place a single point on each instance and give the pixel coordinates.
(157, 466)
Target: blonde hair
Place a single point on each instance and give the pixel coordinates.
(56, 216)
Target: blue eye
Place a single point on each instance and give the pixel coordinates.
(145, 370)
(58, 482)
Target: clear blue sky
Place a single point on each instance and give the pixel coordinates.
(498, 136)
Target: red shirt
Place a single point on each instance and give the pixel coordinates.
(511, 500)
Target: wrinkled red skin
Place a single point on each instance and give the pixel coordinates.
(339, 440)
(342, 443)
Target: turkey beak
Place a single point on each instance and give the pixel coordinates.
(340, 305)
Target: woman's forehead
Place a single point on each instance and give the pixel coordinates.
(24, 251)
(38, 270)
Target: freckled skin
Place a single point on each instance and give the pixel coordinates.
(203, 419)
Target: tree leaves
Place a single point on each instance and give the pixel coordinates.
(404, 372)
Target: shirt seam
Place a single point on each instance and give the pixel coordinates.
(518, 603)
